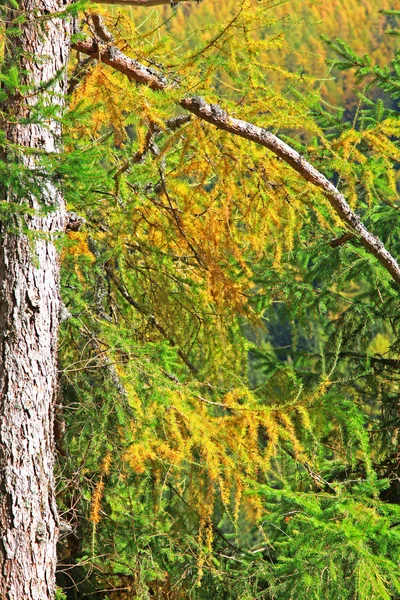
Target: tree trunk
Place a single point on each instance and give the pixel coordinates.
(29, 314)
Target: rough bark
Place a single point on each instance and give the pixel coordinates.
(29, 317)
(214, 114)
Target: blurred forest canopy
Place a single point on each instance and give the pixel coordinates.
(230, 362)
(298, 25)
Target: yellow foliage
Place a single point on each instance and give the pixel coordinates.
(79, 246)
(379, 345)
(96, 502)
(187, 232)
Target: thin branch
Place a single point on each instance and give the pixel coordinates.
(149, 144)
(392, 363)
(101, 357)
(216, 529)
(79, 73)
(215, 115)
(313, 474)
(139, 156)
(151, 318)
(336, 242)
(218, 36)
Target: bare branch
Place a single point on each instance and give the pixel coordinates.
(134, 70)
(176, 122)
(100, 29)
(336, 242)
(214, 114)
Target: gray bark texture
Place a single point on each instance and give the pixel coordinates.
(29, 314)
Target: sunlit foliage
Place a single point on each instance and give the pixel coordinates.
(229, 367)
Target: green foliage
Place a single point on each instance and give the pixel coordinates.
(338, 544)
(60, 595)
(202, 474)
(230, 368)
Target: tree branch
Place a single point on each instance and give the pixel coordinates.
(100, 29)
(215, 115)
(134, 70)
(151, 318)
(212, 113)
(339, 241)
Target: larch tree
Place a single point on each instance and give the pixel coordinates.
(34, 91)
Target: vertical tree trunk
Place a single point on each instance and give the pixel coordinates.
(29, 318)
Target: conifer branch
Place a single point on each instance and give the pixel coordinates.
(214, 114)
(151, 318)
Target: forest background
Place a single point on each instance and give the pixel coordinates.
(228, 418)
